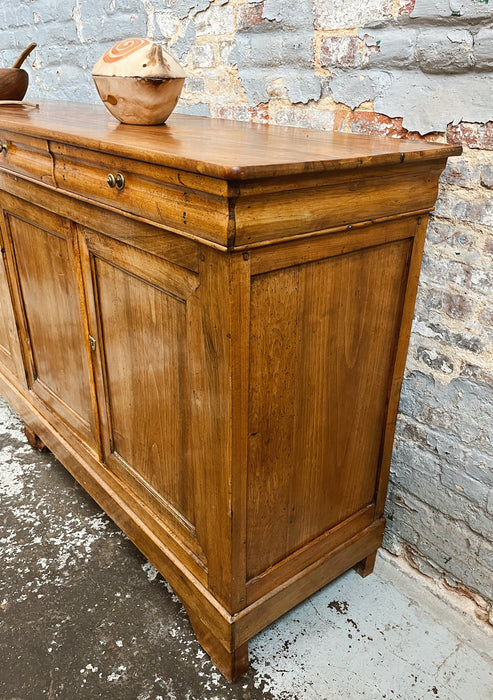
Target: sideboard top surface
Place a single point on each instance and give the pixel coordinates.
(216, 147)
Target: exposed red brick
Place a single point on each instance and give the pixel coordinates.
(230, 111)
(249, 14)
(373, 123)
(457, 306)
(486, 317)
(406, 7)
(260, 113)
(339, 51)
(341, 115)
(242, 113)
(472, 135)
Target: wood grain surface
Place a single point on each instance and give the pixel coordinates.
(325, 355)
(50, 318)
(217, 147)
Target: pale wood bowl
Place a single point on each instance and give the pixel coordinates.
(139, 81)
(136, 100)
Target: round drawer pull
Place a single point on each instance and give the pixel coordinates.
(117, 181)
(4, 148)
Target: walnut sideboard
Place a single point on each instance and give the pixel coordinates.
(207, 323)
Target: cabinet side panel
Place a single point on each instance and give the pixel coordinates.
(323, 340)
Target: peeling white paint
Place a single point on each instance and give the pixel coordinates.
(116, 675)
(150, 571)
(77, 17)
(69, 537)
(421, 328)
(149, 12)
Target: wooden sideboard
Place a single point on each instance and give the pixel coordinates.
(207, 323)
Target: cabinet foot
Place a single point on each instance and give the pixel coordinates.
(365, 566)
(34, 440)
(232, 664)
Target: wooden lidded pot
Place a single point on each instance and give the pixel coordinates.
(138, 81)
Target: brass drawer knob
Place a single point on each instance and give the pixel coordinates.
(117, 181)
(120, 181)
(4, 148)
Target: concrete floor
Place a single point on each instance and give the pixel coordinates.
(84, 615)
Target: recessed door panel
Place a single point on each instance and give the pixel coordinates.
(50, 315)
(10, 352)
(139, 312)
(144, 338)
(326, 352)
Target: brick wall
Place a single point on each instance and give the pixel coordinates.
(414, 68)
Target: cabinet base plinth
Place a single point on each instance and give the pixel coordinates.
(222, 635)
(232, 664)
(365, 566)
(34, 440)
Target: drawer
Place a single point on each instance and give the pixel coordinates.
(193, 204)
(26, 155)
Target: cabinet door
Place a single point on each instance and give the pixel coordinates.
(10, 350)
(40, 248)
(320, 374)
(138, 312)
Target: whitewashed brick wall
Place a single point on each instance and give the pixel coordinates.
(404, 68)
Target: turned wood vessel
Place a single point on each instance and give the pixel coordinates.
(14, 81)
(138, 81)
(207, 323)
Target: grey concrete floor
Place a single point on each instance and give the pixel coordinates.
(84, 615)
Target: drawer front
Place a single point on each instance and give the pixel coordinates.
(27, 156)
(290, 207)
(192, 204)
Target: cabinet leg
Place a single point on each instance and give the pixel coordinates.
(231, 664)
(34, 440)
(365, 566)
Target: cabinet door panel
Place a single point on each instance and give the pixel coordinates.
(319, 379)
(10, 351)
(50, 314)
(140, 318)
(144, 337)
